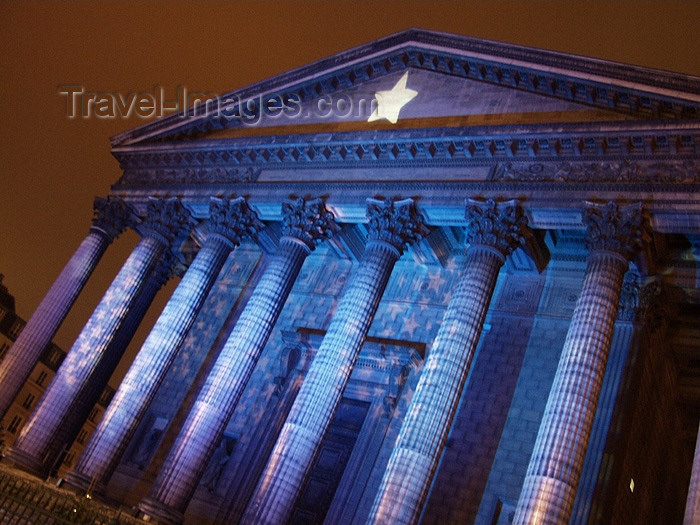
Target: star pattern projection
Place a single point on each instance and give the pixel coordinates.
(390, 103)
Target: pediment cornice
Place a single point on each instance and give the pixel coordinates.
(629, 90)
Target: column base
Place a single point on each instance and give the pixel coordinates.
(79, 482)
(157, 512)
(23, 461)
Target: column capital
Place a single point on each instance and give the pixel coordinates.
(498, 225)
(398, 223)
(165, 219)
(612, 228)
(308, 220)
(233, 219)
(111, 216)
(170, 264)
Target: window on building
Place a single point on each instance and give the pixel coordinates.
(54, 357)
(3, 350)
(3, 312)
(16, 328)
(41, 378)
(93, 415)
(14, 424)
(81, 437)
(68, 460)
(28, 401)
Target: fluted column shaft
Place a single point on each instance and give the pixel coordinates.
(304, 225)
(555, 466)
(692, 505)
(494, 230)
(424, 430)
(90, 394)
(206, 422)
(320, 393)
(134, 395)
(33, 443)
(313, 409)
(111, 216)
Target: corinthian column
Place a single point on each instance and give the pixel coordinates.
(494, 230)
(111, 216)
(304, 225)
(165, 219)
(392, 226)
(615, 234)
(85, 400)
(230, 221)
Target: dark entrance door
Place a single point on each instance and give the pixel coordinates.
(317, 495)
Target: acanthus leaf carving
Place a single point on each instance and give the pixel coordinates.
(614, 228)
(499, 225)
(398, 223)
(112, 216)
(309, 221)
(684, 171)
(233, 219)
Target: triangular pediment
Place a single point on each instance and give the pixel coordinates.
(436, 101)
(422, 79)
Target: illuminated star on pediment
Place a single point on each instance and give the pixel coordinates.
(390, 103)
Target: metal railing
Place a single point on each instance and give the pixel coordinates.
(31, 502)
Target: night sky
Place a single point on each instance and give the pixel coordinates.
(52, 166)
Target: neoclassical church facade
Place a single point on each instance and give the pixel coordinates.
(431, 279)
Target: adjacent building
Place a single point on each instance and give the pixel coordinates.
(11, 326)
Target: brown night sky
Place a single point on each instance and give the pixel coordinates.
(52, 166)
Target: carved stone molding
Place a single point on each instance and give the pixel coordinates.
(658, 304)
(614, 228)
(112, 216)
(432, 54)
(499, 225)
(398, 223)
(233, 219)
(517, 157)
(308, 221)
(169, 265)
(685, 171)
(165, 218)
(629, 297)
(188, 175)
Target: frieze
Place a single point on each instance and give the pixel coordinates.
(604, 157)
(685, 171)
(184, 175)
(421, 145)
